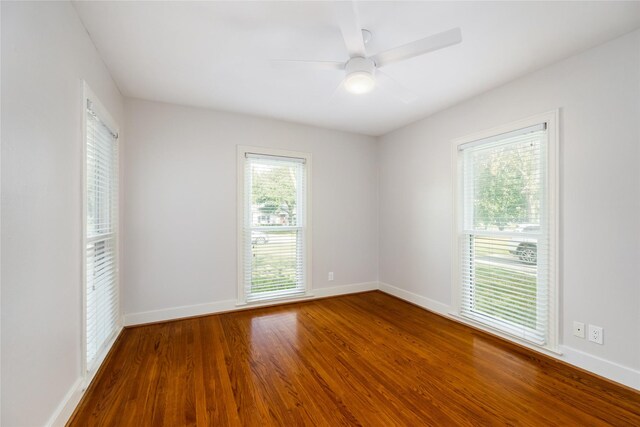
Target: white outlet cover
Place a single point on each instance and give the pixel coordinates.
(578, 329)
(596, 334)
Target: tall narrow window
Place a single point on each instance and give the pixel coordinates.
(275, 225)
(101, 233)
(506, 233)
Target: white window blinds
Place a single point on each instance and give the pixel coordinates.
(274, 231)
(504, 240)
(101, 266)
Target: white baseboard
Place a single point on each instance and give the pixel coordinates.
(179, 312)
(353, 288)
(424, 302)
(68, 404)
(605, 368)
(602, 367)
(214, 307)
(65, 408)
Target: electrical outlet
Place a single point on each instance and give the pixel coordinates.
(331, 276)
(578, 329)
(596, 334)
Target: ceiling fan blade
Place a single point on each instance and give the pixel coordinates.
(337, 92)
(418, 47)
(347, 17)
(395, 88)
(309, 65)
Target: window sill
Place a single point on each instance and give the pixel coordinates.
(277, 300)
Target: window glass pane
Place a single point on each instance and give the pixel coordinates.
(275, 263)
(506, 184)
(274, 193)
(101, 170)
(503, 274)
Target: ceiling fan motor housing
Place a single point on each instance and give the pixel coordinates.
(359, 64)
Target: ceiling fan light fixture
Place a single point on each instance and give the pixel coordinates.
(360, 75)
(359, 82)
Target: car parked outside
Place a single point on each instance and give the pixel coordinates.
(526, 249)
(259, 238)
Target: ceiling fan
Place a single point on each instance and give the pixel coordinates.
(362, 71)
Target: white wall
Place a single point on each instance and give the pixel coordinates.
(180, 205)
(598, 93)
(45, 54)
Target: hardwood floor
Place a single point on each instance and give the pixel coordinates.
(367, 359)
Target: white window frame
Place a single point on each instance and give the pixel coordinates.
(551, 118)
(89, 371)
(242, 151)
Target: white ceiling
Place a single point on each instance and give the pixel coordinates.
(216, 54)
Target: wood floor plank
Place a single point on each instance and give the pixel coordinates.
(220, 406)
(367, 359)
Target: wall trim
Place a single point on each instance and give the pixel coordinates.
(602, 367)
(352, 288)
(595, 365)
(70, 401)
(424, 302)
(67, 405)
(173, 313)
(222, 306)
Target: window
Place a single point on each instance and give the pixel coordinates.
(100, 232)
(506, 230)
(274, 237)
